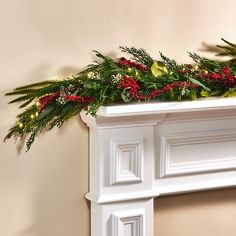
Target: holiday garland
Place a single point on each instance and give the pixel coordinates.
(141, 78)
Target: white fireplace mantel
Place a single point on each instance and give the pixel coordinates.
(141, 151)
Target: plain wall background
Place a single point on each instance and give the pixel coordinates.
(196, 214)
(42, 192)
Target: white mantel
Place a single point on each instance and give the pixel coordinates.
(141, 151)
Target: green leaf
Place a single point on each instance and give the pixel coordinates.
(158, 68)
(215, 93)
(194, 81)
(91, 84)
(230, 93)
(125, 96)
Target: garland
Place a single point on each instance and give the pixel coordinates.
(141, 78)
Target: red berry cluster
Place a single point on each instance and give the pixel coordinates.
(168, 87)
(77, 98)
(52, 97)
(186, 71)
(44, 101)
(224, 76)
(130, 84)
(124, 62)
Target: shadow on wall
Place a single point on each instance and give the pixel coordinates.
(58, 203)
(47, 72)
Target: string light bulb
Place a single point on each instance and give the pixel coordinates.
(32, 116)
(21, 125)
(196, 67)
(129, 69)
(90, 74)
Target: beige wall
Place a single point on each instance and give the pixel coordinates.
(41, 192)
(197, 214)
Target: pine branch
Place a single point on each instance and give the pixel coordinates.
(68, 111)
(195, 56)
(21, 99)
(169, 63)
(40, 124)
(36, 93)
(21, 92)
(211, 65)
(105, 60)
(140, 55)
(100, 55)
(227, 42)
(26, 103)
(229, 50)
(10, 133)
(27, 112)
(37, 85)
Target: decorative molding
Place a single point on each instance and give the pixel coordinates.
(193, 116)
(189, 184)
(183, 141)
(122, 196)
(126, 161)
(128, 223)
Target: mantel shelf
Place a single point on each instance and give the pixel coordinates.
(166, 107)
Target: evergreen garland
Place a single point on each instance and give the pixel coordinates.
(50, 103)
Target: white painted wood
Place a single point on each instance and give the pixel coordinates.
(193, 183)
(141, 151)
(128, 223)
(167, 107)
(191, 152)
(126, 161)
(128, 218)
(107, 153)
(118, 197)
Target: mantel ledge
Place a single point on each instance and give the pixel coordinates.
(132, 114)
